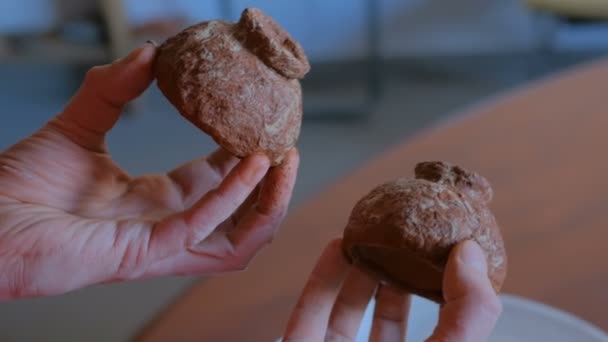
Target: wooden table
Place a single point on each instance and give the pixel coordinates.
(543, 149)
(588, 9)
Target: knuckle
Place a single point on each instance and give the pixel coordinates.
(245, 261)
(224, 198)
(240, 264)
(264, 237)
(334, 335)
(485, 301)
(242, 267)
(492, 305)
(271, 219)
(234, 261)
(388, 316)
(345, 303)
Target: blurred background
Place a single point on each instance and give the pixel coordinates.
(382, 70)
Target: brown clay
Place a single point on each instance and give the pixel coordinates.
(238, 82)
(403, 231)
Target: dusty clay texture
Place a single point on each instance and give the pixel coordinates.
(238, 82)
(403, 230)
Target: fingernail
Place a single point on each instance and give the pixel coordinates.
(470, 254)
(150, 41)
(135, 53)
(128, 58)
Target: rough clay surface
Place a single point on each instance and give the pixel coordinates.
(427, 216)
(238, 82)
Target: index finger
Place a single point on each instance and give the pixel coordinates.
(310, 317)
(258, 223)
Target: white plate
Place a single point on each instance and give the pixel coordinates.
(521, 320)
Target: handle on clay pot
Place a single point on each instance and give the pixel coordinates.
(271, 44)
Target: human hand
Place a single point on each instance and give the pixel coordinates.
(70, 217)
(336, 295)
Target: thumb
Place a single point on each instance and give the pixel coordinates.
(471, 307)
(106, 89)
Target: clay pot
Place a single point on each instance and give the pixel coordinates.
(238, 82)
(403, 231)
